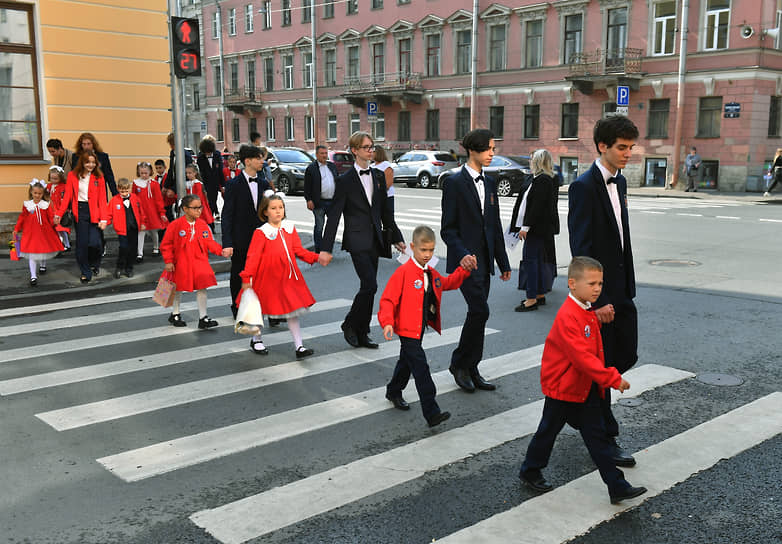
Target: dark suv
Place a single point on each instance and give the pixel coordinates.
(288, 165)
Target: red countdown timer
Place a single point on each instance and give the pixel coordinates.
(186, 47)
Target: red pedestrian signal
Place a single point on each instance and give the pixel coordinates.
(186, 47)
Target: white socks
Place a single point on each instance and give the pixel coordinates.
(33, 269)
(177, 300)
(295, 328)
(201, 299)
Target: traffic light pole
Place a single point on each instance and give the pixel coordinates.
(176, 108)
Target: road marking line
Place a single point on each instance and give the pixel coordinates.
(142, 463)
(186, 393)
(157, 360)
(727, 217)
(286, 505)
(691, 214)
(551, 519)
(771, 220)
(650, 211)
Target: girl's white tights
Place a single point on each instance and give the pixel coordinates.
(65, 239)
(142, 236)
(200, 299)
(34, 268)
(295, 328)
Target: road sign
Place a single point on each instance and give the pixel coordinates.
(623, 95)
(732, 110)
(621, 110)
(372, 108)
(203, 125)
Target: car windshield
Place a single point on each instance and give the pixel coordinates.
(292, 155)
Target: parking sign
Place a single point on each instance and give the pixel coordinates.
(371, 108)
(623, 95)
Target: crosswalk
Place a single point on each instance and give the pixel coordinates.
(69, 393)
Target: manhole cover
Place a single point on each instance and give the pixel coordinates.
(714, 378)
(674, 262)
(631, 403)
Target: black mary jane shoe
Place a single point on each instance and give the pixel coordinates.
(263, 350)
(206, 323)
(176, 320)
(524, 308)
(139, 259)
(42, 270)
(302, 352)
(33, 282)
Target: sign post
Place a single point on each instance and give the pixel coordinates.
(372, 111)
(622, 99)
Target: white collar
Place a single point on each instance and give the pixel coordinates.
(473, 173)
(424, 267)
(603, 170)
(582, 305)
(30, 205)
(359, 169)
(271, 232)
(141, 182)
(248, 176)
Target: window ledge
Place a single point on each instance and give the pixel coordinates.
(23, 161)
(532, 138)
(568, 139)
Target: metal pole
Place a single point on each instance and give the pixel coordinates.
(176, 108)
(474, 68)
(222, 67)
(677, 131)
(314, 77)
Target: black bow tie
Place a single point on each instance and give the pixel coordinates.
(252, 180)
(479, 178)
(363, 172)
(609, 181)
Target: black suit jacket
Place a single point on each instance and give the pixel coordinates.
(541, 214)
(212, 176)
(594, 233)
(240, 217)
(312, 181)
(108, 173)
(466, 230)
(364, 224)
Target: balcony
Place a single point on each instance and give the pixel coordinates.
(240, 100)
(603, 68)
(384, 88)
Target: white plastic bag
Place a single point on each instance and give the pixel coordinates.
(249, 319)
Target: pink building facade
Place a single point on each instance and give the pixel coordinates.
(546, 72)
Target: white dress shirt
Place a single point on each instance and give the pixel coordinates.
(253, 187)
(584, 305)
(327, 185)
(84, 188)
(366, 181)
(613, 194)
(423, 267)
(479, 185)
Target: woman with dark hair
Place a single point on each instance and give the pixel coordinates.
(85, 193)
(88, 142)
(210, 166)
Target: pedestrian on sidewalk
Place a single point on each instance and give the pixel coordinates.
(411, 302)
(126, 212)
(692, 165)
(35, 225)
(271, 271)
(148, 192)
(776, 171)
(573, 377)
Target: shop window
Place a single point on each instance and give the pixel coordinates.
(656, 170)
(709, 174)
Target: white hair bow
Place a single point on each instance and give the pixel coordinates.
(57, 168)
(36, 181)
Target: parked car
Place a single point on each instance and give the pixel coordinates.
(343, 160)
(511, 176)
(421, 168)
(288, 165)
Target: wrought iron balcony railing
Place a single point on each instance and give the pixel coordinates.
(606, 62)
(243, 96)
(386, 82)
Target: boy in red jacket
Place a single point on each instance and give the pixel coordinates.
(574, 377)
(410, 302)
(125, 211)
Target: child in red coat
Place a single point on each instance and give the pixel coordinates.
(56, 190)
(126, 212)
(195, 186)
(410, 302)
(574, 377)
(271, 271)
(36, 227)
(148, 192)
(185, 249)
(169, 197)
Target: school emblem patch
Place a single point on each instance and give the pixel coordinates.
(182, 233)
(205, 234)
(437, 283)
(119, 206)
(418, 284)
(587, 331)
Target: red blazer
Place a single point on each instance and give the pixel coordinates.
(573, 356)
(115, 211)
(96, 197)
(402, 303)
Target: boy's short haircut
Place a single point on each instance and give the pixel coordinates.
(579, 265)
(608, 129)
(423, 234)
(249, 152)
(188, 199)
(159, 162)
(477, 140)
(255, 136)
(124, 183)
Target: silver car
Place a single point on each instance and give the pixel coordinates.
(422, 168)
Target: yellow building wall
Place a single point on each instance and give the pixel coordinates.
(105, 71)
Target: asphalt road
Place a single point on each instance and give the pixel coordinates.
(118, 429)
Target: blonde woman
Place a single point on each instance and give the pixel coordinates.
(776, 171)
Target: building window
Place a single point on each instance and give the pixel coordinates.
(270, 132)
(220, 131)
(569, 168)
(402, 1)
(377, 4)
(658, 118)
(306, 13)
(496, 48)
(709, 110)
(267, 15)
(774, 113)
(378, 62)
(328, 9)
(532, 121)
(432, 124)
(235, 129)
(20, 124)
(309, 128)
(656, 171)
(355, 122)
(433, 55)
(252, 125)
(352, 7)
(462, 123)
(331, 128)
(218, 80)
(379, 127)
(196, 98)
(405, 51)
(232, 22)
(234, 67)
(353, 66)
(286, 12)
(463, 51)
(496, 118)
(215, 26)
(569, 128)
(268, 73)
(404, 126)
(664, 28)
(248, 18)
(573, 30)
(289, 128)
(717, 15)
(306, 60)
(287, 61)
(616, 38)
(250, 65)
(533, 42)
(330, 74)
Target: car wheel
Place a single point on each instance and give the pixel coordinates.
(425, 180)
(504, 187)
(284, 185)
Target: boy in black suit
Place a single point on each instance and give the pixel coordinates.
(599, 228)
(360, 197)
(472, 231)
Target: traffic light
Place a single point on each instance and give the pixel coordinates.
(186, 47)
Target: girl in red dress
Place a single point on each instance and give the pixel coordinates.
(148, 192)
(185, 250)
(56, 190)
(271, 271)
(194, 186)
(36, 227)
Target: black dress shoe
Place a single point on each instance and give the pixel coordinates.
(524, 308)
(350, 335)
(206, 323)
(540, 301)
(129, 272)
(536, 481)
(33, 282)
(366, 342)
(176, 320)
(302, 352)
(480, 383)
(627, 493)
(257, 347)
(462, 379)
(621, 458)
(42, 270)
(398, 402)
(438, 418)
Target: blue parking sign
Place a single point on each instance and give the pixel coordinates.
(623, 95)
(371, 108)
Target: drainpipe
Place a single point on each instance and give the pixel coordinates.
(677, 131)
(474, 68)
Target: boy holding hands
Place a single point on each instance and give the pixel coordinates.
(410, 302)
(574, 377)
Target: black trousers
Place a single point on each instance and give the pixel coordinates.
(360, 314)
(238, 260)
(620, 346)
(89, 245)
(412, 359)
(587, 418)
(128, 248)
(475, 290)
(211, 196)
